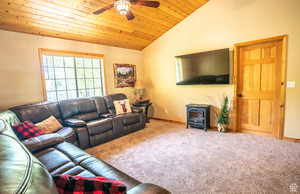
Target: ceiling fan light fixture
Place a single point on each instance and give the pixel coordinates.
(122, 6)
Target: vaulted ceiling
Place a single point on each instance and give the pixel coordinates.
(73, 19)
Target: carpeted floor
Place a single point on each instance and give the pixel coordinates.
(190, 161)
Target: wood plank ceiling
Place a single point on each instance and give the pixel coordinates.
(73, 19)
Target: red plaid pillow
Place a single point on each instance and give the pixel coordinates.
(27, 130)
(67, 184)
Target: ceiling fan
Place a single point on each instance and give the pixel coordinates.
(123, 7)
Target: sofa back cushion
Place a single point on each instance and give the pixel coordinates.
(21, 172)
(9, 117)
(101, 105)
(53, 109)
(109, 100)
(81, 108)
(37, 112)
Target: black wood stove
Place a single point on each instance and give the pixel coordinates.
(198, 116)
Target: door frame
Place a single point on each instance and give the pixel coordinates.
(284, 39)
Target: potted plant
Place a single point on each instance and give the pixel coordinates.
(223, 116)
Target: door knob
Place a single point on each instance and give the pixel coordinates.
(240, 95)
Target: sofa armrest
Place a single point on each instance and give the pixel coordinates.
(136, 109)
(107, 115)
(83, 137)
(43, 141)
(147, 188)
(75, 123)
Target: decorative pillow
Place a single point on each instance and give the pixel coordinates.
(122, 106)
(49, 125)
(67, 184)
(27, 130)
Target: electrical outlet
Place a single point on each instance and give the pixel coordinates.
(291, 84)
(166, 111)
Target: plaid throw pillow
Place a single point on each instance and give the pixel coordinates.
(27, 130)
(67, 184)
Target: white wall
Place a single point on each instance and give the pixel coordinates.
(220, 24)
(20, 78)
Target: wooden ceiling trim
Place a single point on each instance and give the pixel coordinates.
(73, 20)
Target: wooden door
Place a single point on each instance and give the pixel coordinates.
(259, 87)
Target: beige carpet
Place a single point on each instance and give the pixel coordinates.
(190, 161)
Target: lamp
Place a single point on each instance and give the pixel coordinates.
(139, 91)
(122, 6)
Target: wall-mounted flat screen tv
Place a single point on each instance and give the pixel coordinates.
(211, 67)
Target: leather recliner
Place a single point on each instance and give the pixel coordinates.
(84, 113)
(129, 122)
(41, 111)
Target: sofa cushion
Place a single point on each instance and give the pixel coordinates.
(27, 130)
(130, 118)
(109, 100)
(43, 141)
(53, 109)
(101, 105)
(9, 117)
(101, 168)
(86, 116)
(80, 185)
(99, 126)
(49, 125)
(34, 113)
(73, 107)
(68, 133)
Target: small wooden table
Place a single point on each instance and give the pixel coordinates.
(145, 105)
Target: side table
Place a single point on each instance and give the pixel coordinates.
(145, 105)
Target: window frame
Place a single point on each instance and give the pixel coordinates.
(43, 51)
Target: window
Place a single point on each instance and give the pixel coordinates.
(71, 75)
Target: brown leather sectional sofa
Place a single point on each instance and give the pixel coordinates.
(26, 167)
(87, 121)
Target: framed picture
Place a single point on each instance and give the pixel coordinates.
(124, 75)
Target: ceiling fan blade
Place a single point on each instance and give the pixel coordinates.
(130, 15)
(97, 12)
(154, 4)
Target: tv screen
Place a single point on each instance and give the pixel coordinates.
(211, 67)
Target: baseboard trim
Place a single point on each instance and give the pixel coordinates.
(214, 128)
(289, 139)
(167, 120)
(256, 133)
